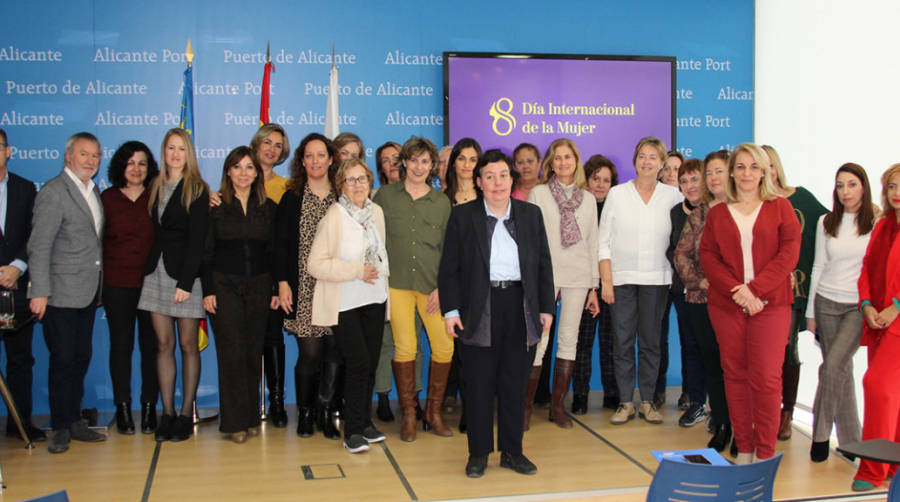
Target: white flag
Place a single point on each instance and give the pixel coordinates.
(331, 108)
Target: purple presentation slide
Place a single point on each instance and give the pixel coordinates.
(604, 105)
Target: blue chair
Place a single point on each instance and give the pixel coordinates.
(682, 481)
(59, 496)
(894, 492)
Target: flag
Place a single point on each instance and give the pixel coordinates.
(203, 335)
(264, 100)
(187, 103)
(331, 108)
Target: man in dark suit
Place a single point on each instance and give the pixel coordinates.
(496, 288)
(16, 202)
(66, 261)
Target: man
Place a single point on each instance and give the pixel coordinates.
(16, 201)
(65, 256)
(496, 287)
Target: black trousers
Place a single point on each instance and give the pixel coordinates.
(701, 327)
(501, 371)
(69, 336)
(242, 306)
(121, 314)
(20, 361)
(358, 335)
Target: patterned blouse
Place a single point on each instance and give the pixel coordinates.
(687, 255)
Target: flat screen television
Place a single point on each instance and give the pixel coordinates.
(605, 104)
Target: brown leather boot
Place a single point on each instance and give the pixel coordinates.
(784, 429)
(533, 379)
(437, 385)
(405, 375)
(562, 377)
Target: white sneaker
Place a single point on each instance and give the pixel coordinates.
(624, 413)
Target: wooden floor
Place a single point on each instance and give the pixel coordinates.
(593, 461)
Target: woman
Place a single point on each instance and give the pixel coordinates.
(808, 211)
(171, 290)
(748, 267)
(841, 239)
(271, 147)
(237, 285)
(416, 217)
(308, 197)
(349, 261)
(128, 235)
(570, 217)
(460, 182)
(879, 291)
(601, 175)
(440, 181)
(635, 275)
(689, 269)
(527, 162)
(388, 157)
(349, 146)
(669, 172)
(690, 182)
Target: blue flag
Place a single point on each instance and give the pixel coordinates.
(187, 103)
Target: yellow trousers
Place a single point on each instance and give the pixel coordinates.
(404, 303)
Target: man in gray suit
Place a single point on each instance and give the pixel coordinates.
(65, 261)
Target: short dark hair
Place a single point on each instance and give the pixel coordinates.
(493, 155)
(119, 161)
(599, 161)
(417, 145)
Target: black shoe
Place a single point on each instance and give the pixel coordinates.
(33, 432)
(182, 429)
(818, 452)
(684, 402)
(164, 429)
(518, 463)
(59, 441)
(326, 424)
(305, 422)
(659, 399)
(383, 412)
(611, 402)
(372, 435)
(148, 418)
(579, 404)
(124, 420)
(356, 444)
(720, 438)
(79, 431)
(734, 448)
(695, 414)
(476, 465)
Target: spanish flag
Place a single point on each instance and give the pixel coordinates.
(264, 99)
(203, 335)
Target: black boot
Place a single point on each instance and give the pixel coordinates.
(579, 404)
(384, 412)
(327, 386)
(274, 363)
(124, 420)
(148, 418)
(304, 384)
(721, 436)
(305, 422)
(819, 451)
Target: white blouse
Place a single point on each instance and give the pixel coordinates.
(745, 224)
(357, 293)
(838, 263)
(634, 236)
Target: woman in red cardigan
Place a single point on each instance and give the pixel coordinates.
(748, 267)
(879, 295)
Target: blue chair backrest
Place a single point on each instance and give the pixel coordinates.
(894, 492)
(683, 481)
(59, 496)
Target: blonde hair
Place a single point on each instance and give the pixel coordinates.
(775, 163)
(885, 179)
(193, 184)
(547, 172)
(655, 143)
(766, 188)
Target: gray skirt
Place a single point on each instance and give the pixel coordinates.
(159, 290)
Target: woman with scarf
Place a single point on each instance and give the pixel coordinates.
(570, 218)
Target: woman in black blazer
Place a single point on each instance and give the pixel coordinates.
(171, 291)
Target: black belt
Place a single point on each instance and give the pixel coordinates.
(505, 284)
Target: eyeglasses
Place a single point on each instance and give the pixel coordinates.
(357, 181)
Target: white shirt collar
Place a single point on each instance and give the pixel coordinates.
(508, 210)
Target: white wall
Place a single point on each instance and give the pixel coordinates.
(827, 92)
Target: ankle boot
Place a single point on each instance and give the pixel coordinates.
(148, 418)
(437, 385)
(562, 377)
(784, 428)
(721, 437)
(274, 363)
(405, 376)
(383, 412)
(124, 421)
(328, 382)
(305, 422)
(533, 379)
(325, 423)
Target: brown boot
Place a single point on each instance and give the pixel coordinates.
(437, 384)
(784, 429)
(562, 377)
(533, 379)
(405, 375)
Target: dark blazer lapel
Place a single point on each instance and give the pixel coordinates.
(521, 232)
(479, 221)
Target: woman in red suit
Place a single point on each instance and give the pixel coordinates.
(879, 295)
(748, 267)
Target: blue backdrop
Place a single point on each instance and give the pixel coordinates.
(115, 69)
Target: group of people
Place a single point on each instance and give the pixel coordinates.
(355, 272)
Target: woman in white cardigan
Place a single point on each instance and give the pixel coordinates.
(570, 218)
(349, 261)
